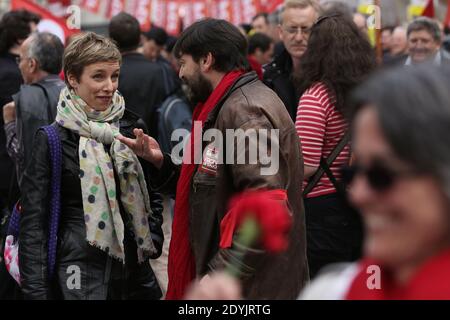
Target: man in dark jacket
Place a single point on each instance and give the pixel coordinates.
(15, 26)
(102, 276)
(40, 62)
(14, 29)
(212, 55)
(140, 80)
(296, 21)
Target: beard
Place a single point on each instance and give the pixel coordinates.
(199, 88)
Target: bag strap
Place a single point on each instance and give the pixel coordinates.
(49, 108)
(55, 148)
(325, 166)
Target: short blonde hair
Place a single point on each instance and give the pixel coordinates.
(85, 49)
(302, 4)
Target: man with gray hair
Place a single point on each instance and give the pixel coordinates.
(40, 62)
(296, 20)
(425, 43)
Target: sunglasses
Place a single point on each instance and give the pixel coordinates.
(379, 176)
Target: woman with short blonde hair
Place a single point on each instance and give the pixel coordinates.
(110, 222)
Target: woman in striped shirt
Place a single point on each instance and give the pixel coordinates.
(337, 59)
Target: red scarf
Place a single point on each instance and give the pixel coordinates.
(430, 282)
(256, 66)
(181, 267)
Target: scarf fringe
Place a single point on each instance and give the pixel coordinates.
(109, 253)
(143, 254)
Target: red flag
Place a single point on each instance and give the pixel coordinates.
(429, 9)
(447, 18)
(49, 22)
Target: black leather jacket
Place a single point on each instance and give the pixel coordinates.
(102, 277)
(278, 77)
(35, 107)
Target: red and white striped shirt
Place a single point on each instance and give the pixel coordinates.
(320, 127)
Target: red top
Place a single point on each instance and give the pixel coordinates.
(256, 66)
(320, 127)
(430, 282)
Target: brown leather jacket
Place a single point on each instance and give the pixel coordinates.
(249, 104)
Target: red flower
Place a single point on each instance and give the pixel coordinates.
(264, 209)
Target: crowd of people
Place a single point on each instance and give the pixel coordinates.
(362, 160)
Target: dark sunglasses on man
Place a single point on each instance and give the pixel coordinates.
(379, 176)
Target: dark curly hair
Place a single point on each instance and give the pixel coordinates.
(338, 55)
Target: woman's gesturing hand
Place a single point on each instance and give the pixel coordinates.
(145, 147)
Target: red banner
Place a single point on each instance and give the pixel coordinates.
(236, 12)
(115, 7)
(248, 10)
(270, 5)
(158, 13)
(91, 5)
(173, 17)
(142, 13)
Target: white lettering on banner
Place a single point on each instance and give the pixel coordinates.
(142, 11)
(248, 10)
(223, 10)
(198, 10)
(158, 13)
(172, 17)
(237, 12)
(116, 7)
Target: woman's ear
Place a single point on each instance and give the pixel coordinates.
(72, 81)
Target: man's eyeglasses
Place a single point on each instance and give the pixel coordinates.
(18, 59)
(292, 31)
(379, 176)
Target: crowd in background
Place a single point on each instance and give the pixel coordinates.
(364, 169)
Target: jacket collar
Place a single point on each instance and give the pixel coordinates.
(283, 62)
(241, 81)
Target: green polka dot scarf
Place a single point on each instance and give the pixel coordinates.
(104, 224)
